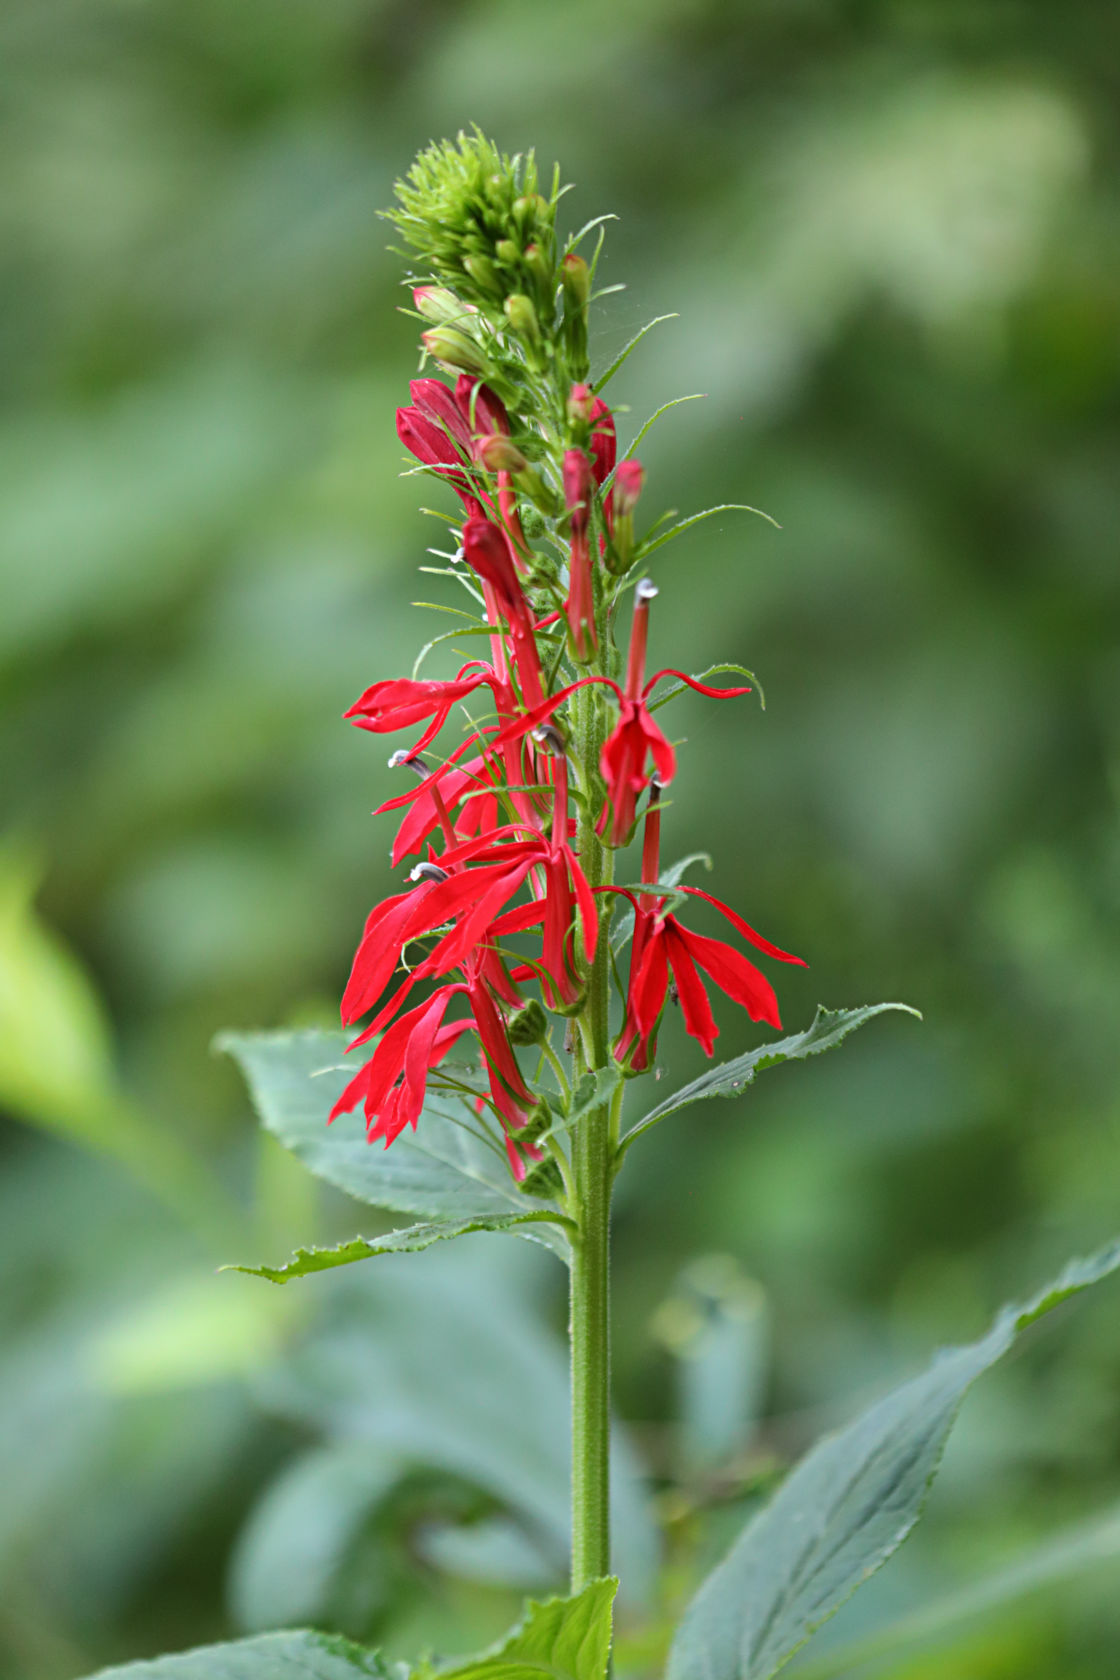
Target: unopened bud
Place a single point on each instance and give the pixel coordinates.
(577, 488)
(528, 1025)
(522, 317)
(483, 273)
(506, 252)
(541, 270)
(498, 454)
(576, 278)
(438, 305)
(529, 209)
(581, 402)
(454, 350)
(627, 487)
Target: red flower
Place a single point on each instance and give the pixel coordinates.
(487, 552)
(399, 702)
(636, 736)
(413, 1045)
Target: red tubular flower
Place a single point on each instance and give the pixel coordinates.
(488, 554)
(636, 735)
(400, 702)
(580, 605)
(604, 444)
(413, 1045)
(662, 945)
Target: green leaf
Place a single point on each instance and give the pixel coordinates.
(592, 1091)
(408, 1240)
(290, 1552)
(444, 1172)
(274, 1656)
(845, 1509)
(562, 1639)
(1065, 1556)
(729, 1079)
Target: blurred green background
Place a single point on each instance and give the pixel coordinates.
(892, 232)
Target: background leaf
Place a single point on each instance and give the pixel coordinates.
(273, 1656)
(845, 1509)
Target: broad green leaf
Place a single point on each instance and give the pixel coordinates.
(274, 1656)
(290, 1552)
(1067, 1555)
(444, 1172)
(561, 1639)
(729, 1079)
(412, 1238)
(845, 1509)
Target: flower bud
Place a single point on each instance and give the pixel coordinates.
(541, 270)
(528, 1025)
(522, 317)
(483, 408)
(581, 400)
(498, 454)
(438, 305)
(576, 280)
(454, 350)
(531, 209)
(577, 489)
(506, 252)
(627, 487)
(483, 273)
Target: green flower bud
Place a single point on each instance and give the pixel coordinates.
(507, 253)
(576, 280)
(522, 317)
(438, 305)
(484, 274)
(454, 350)
(541, 270)
(528, 1025)
(498, 454)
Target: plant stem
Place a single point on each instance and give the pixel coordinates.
(592, 1161)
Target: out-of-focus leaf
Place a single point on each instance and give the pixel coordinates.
(272, 1656)
(374, 1369)
(444, 1172)
(716, 1325)
(189, 1331)
(56, 1062)
(845, 1509)
(497, 1551)
(562, 1639)
(829, 1027)
(412, 1238)
(1078, 1548)
(290, 1551)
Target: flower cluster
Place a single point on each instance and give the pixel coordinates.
(514, 827)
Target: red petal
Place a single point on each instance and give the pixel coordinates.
(698, 1018)
(743, 927)
(741, 980)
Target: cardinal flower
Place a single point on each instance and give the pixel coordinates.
(636, 737)
(580, 605)
(662, 946)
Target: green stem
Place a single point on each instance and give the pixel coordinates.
(592, 1161)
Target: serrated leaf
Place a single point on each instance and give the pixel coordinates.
(845, 1509)
(408, 1240)
(561, 1639)
(729, 1079)
(273, 1656)
(442, 1172)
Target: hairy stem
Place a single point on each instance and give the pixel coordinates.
(593, 1172)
